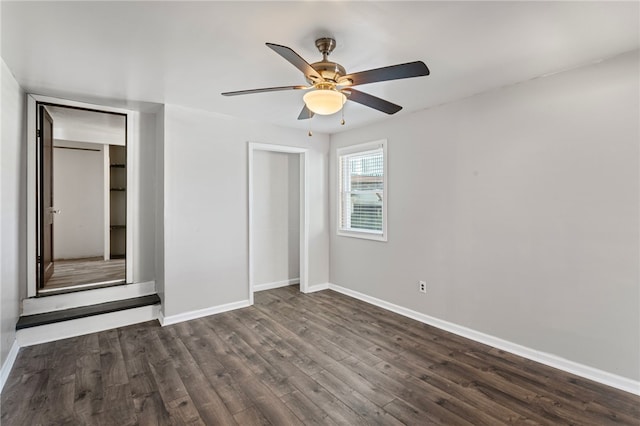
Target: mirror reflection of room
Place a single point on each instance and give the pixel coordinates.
(89, 183)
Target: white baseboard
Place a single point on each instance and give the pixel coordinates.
(551, 360)
(186, 316)
(38, 305)
(7, 365)
(78, 327)
(276, 284)
(317, 287)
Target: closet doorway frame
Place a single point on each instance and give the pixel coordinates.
(304, 210)
(132, 187)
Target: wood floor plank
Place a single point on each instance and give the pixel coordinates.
(150, 410)
(362, 383)
(269, 405)
(420, 394)
(34, 358)
(334, 332)
(470, 394)
(183, 411)
(208, 403)
(254, 319)
(72, 272)
(251, 416)
(114, 372)
(337, 410)
(443, 409)
(225, 387)
(271, 376)
(306, 410)
(60, 387)
(22, 404)
(173, 393)
(569, 386)
(371, 413)
(292, 359)
(89, 393)
(147, 402)
(59, 407)
(133, 343)
(118, 407)
(300, 329)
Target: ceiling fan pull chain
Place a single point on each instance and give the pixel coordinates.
(342, 121)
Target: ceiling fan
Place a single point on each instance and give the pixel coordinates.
(330, 86)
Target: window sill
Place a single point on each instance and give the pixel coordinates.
(363, 235)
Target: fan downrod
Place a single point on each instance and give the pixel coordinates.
(325, 45)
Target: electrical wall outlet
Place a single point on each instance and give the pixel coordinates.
(422, 286)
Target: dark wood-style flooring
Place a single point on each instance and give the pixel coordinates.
(72, 272)
(294, 359)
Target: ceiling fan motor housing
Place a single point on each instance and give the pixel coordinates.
(330, 71)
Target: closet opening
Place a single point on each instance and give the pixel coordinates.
(278, 217)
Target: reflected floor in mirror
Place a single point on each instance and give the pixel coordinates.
(73, 272)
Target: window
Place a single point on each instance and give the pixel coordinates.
(362, 177)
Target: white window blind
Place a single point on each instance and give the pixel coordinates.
(362, 191)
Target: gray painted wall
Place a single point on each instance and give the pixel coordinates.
(276, 216)
(145, 221)
(520, 208)
(159, 210)
(206, 206)
(12, 207)
(293, 215)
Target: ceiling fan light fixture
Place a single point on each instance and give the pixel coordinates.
(324, 101)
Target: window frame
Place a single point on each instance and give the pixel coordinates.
(355, 149)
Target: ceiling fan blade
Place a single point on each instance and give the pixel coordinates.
(296, 60)
(393, 72)
(267, 89)
(371, 101)
(305, 114)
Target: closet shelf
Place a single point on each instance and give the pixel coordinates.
(118, 173)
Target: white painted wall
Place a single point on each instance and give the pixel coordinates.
(78, 192)
(520, 208)
(206, 212)
(276, 217)
(12, 207)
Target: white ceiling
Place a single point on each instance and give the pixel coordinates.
(188, 53)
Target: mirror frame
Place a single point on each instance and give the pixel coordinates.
(32, 206)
